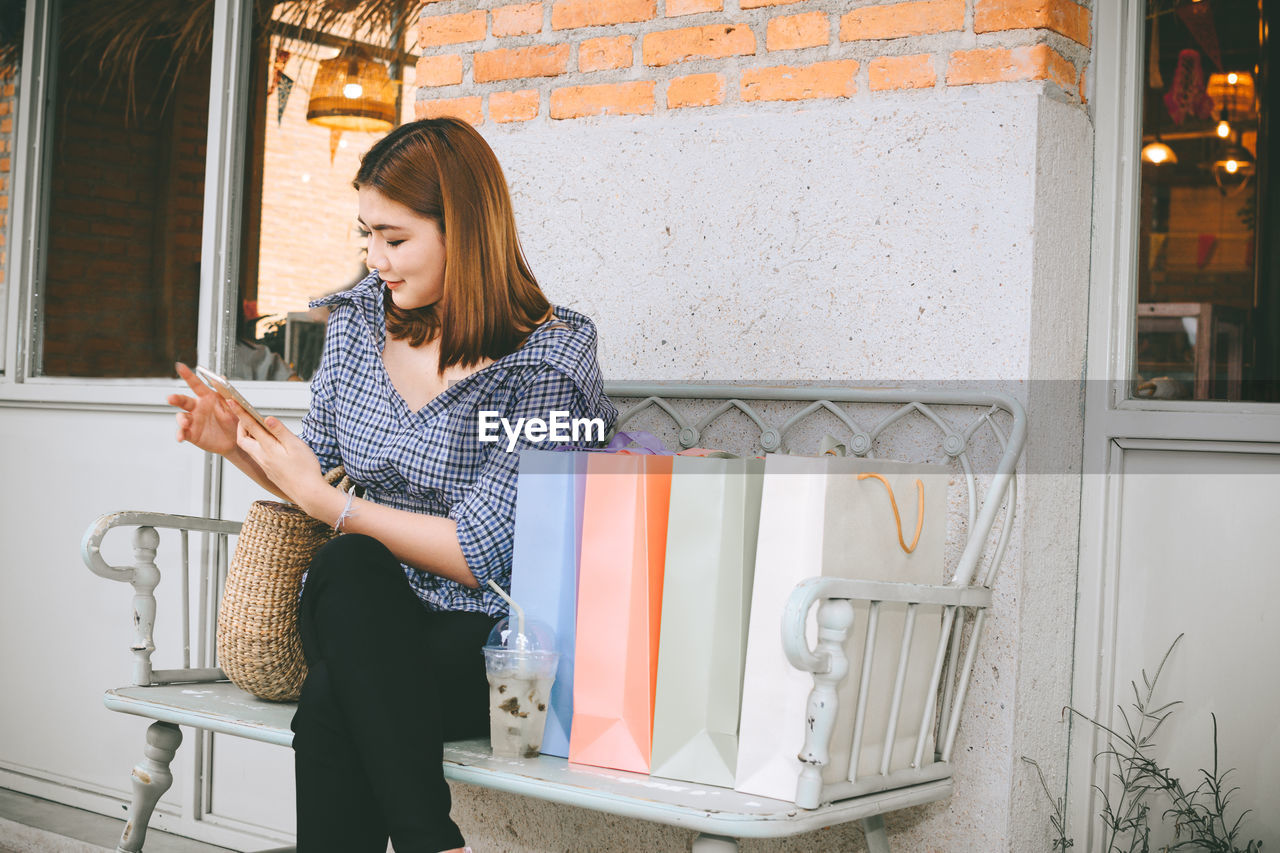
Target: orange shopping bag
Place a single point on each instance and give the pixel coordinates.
(624, 540)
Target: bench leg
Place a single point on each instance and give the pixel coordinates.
(151, 778)
(877, 839)
(703, 843)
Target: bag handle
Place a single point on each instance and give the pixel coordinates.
(646, 443)
(707, 453)
(830, 447)
(338, 477)
(898, 518)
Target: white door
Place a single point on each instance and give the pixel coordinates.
(1181, 507)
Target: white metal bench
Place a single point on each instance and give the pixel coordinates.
(972, 426)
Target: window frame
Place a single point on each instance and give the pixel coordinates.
(1118, 63)
(221, 237)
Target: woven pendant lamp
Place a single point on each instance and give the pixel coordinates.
(353, 91)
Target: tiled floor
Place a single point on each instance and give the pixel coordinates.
(32, 825)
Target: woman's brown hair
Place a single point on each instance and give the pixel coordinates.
(443, 169)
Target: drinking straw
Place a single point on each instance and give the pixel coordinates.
(521, 640)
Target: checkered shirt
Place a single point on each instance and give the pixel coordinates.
(432, 461)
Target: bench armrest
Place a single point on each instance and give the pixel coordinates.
(829, 664)
(144, 576)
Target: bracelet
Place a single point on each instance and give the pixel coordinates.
(347, 512)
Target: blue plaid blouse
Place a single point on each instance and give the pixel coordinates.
(432, 461)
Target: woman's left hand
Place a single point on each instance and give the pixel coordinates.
(284, 457)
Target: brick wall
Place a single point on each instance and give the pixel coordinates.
(568, 59)
(120, 294)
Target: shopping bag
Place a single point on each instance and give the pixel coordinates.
(544, 568)
(818, 518)
(624, 537)
(875, 530)
(706, 595)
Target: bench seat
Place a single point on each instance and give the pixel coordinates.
(222, 707)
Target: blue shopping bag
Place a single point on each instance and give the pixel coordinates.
(544, 571)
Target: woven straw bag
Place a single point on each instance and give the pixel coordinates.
(258, 644)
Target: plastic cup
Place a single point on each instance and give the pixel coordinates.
(519, 692)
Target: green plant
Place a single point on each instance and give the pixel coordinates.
(1059, 816)
(1199, 816)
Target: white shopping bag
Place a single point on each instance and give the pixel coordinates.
(818, 518)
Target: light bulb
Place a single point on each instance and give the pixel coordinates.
(352, 90)
(1232, 167)
(1224, 129)
(1233, 78)
(1157, 153)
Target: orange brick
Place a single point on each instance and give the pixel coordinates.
(452, 29)
(902, 72)
(756, 4)
(696, 90)
(676, 8)
(996, 65)
(467, 109)
(787, 83)
(1062, 16)
(520, 105)
(796, 31)
(519, 20)
(439, 70)
(543, 60)
(1083, 86)
(902, 19)
(604, 53)
(567, 14)
(618, 99)
(711, 42)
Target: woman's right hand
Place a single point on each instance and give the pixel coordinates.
(204, 420)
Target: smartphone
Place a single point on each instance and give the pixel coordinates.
(228, 392)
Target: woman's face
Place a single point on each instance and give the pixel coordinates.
(406, 248)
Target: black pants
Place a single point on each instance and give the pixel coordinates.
(389, 681)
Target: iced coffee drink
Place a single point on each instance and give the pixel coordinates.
(519, 692)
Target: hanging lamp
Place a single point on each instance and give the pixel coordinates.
(1233, 168)
(1158, 152)
(352, 91)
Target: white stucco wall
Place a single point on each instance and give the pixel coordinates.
(938, 235)
(887, 240)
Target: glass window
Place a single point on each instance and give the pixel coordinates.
(321, 98)
(10, 58)
(1206, 327)
(120, 292)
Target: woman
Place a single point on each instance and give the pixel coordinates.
(450, 323)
